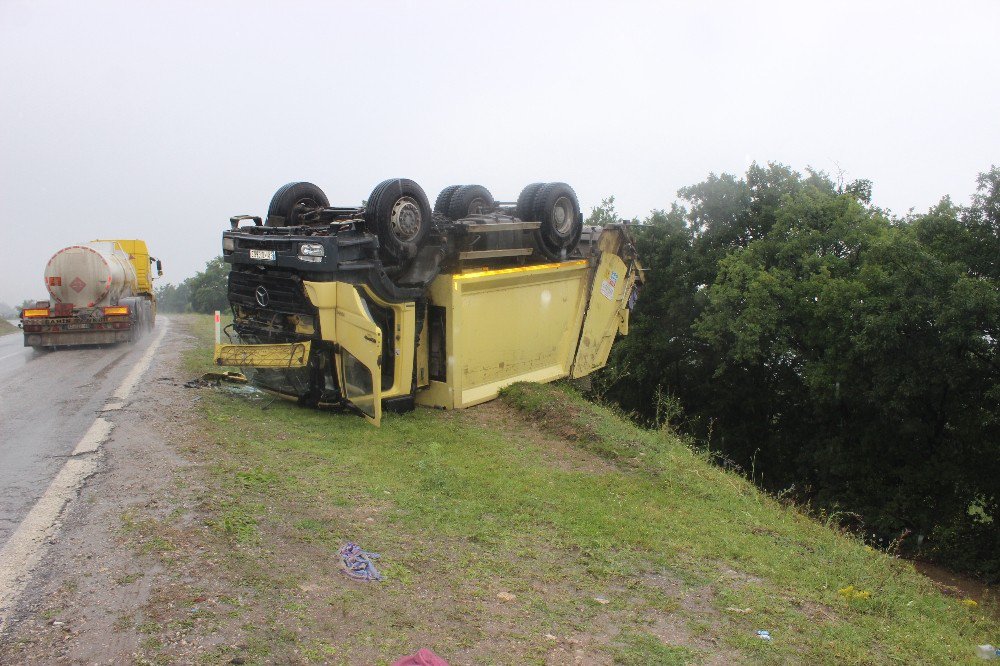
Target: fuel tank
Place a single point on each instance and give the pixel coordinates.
(90, 274)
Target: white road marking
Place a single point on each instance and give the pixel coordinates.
(26, 546)
(98, 433)
(12, 355)
(133, 377)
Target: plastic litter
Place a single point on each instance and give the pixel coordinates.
(763, 634)
(359, 564)
(988, 652)
(422, 657)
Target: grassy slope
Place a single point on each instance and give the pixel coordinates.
(618, 544)
(6, 327)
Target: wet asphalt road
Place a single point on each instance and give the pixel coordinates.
(48, 400)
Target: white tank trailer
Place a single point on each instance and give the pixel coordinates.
(101, 292)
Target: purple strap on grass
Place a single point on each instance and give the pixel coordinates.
(358, 563)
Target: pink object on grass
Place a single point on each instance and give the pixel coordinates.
(423, 657)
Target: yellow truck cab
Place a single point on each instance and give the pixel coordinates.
(394, 305)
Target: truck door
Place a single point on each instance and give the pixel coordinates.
(360, 357)
(607, 313)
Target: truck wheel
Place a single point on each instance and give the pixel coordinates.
(134, 318)
(147, 316)
(554, 252)
(526, 201)
(470, 200)
(291, 200)
(444, 199)
(558, 209)
(400, 215)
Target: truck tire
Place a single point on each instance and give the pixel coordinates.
(554, 252)
(558, 209)
(135, 317)
(283, 209)
(525, 202)
(400, 215)
(444, 199)
(470, 200)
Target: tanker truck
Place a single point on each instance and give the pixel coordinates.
(100, 292)
(393, 304)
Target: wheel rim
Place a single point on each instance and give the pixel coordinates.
(562, 216)
(406, 219)
(476, 206)
(301, 206)
(305, 201)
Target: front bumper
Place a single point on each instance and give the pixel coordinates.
(291, 355)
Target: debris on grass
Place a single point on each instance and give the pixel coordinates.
(358, 563)
(215, 379)
(763, 634)
(506, 596)
(422, 657)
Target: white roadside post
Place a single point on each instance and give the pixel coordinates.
(218, 328)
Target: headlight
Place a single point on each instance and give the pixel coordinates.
(228, 243)
(312, 250)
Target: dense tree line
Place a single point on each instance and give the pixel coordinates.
(205, 292)
(836, 353)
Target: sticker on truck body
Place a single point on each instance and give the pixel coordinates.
(608, 290)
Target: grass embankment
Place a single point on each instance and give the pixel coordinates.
(6, 327)
(542, 529)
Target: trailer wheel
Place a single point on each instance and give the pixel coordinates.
(470, 200)
(291, 200)
(444, 199)
(526, 201)
(400, 215)
(558, 209)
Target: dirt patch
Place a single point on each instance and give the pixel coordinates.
(555, 414)
(520, 428)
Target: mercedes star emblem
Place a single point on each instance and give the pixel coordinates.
(261, 296)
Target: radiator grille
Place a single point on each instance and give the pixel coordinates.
(268, 291)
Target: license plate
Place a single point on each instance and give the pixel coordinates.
(76, 327)
(267, 255)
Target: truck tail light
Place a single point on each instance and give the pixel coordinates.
(115, 310)
(36, 312)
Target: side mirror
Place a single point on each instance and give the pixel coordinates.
(159, 268)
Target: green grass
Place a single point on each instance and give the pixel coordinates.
(559, 502)
(6, 327)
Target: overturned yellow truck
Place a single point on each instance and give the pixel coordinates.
(395, 304)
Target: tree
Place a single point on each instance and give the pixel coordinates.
(604, 214)
(174, 298)
(814, 340)
(208, 288)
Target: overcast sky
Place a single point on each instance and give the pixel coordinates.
(159, 120)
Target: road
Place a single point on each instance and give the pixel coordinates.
(50, 400)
